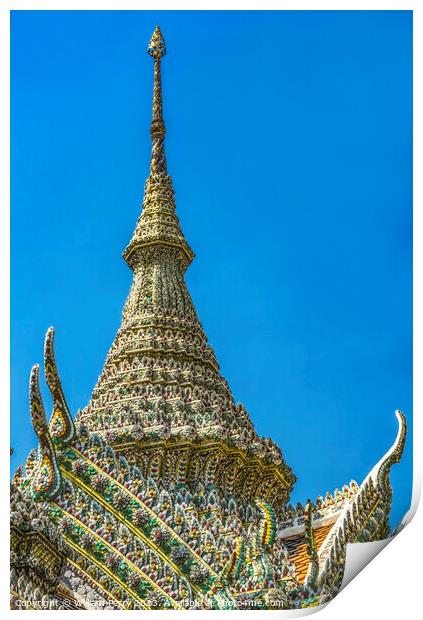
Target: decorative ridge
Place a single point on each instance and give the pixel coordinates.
(333, 504)
(380, 472)
(363, 518)
(322, 508)
(136, 507)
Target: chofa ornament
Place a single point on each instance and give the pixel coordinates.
(46, 481)
(61, 425)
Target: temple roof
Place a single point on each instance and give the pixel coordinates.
(135, 541)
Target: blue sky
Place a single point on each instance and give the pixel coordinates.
(289, 139)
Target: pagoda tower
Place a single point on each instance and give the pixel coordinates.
(160, 494)
(160, 398)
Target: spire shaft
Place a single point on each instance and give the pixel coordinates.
(158, 224)
(157, 50)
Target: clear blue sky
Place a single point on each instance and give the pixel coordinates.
(290, 145)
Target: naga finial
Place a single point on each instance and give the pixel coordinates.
(61, 424)
(156, 47)
(380, 472)
(46, 479)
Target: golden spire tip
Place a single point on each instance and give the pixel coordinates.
(156, 47)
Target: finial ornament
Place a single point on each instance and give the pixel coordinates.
(46, 482)
(380, 472)
(158, 224)
(156, 47)
(61, 424)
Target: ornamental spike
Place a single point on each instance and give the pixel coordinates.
(157, 49)
(309, 532)
(46, 482)
(158, 224)
(313, 567)
(38, 415)
(61, 424)
(379, 475)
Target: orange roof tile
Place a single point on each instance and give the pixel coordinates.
(297, 549)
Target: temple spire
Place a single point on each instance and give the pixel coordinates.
(157, 49)
(161, 380)
(158, 224)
